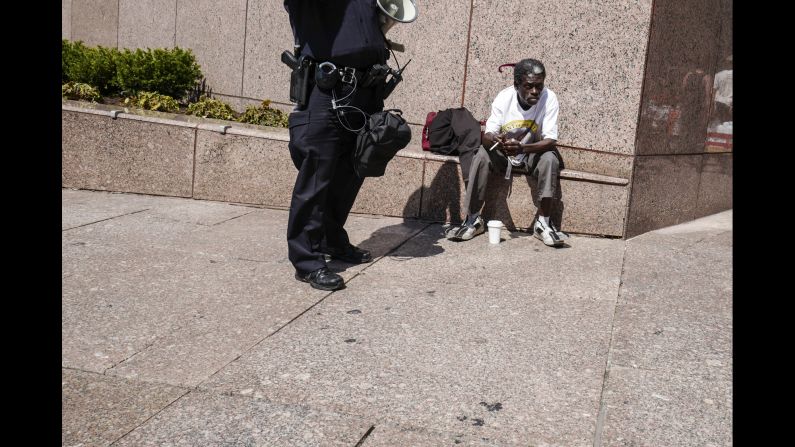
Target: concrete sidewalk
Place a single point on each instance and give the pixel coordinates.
(183, 325)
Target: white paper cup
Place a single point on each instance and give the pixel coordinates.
(495, 226)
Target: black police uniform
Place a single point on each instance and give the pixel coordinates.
(346, 33)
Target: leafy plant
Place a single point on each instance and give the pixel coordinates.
(93, 66)
(264, 115)
(152, 101)
(152, 79)
(211, 108)
(80, 91)
(169, 72)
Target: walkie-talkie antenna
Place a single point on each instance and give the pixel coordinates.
(397, 76)
(404, 67)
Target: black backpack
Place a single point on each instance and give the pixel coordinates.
(453, 131)
(383, 136)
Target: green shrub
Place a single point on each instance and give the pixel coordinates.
(211, 108)
(152, 101)
(80, 91)
(169, 72)
(264, 115)
(71, 52)
(93, 66)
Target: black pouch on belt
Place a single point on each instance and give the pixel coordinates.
(377, 143)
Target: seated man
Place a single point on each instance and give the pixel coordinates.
(521, 132)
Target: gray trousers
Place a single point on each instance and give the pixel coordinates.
(546, 170)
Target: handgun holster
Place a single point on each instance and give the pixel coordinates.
(299, 82)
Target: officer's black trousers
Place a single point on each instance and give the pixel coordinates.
(326, 185)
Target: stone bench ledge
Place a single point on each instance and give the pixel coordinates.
(281, 134)
(417, 152)
(177, 119)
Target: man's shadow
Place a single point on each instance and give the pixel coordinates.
(435, 204)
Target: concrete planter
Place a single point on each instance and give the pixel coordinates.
(132, 150)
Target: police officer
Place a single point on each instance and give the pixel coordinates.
(347, 34)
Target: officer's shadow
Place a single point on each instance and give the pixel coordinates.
(417, 236)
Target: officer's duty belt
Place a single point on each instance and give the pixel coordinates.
(328, 75)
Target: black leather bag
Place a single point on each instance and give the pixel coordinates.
(384, 135)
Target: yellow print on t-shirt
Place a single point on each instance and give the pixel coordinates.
(517, 124)
(519, 129)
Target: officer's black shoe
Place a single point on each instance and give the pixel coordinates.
(322, 279)
(350, 254)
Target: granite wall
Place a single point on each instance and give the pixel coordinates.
(683, 149)
(636, 80)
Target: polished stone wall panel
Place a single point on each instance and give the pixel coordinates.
(715, 189)
(720, 127)
(236, 168)
(594, 53)
(396, 193)
(436, 43)
(677, 92)
(66, 19)
(95, 22)
(215, 31)
(443, 192)
(268, 33)
(604, 163)
(664, 192)
(147, 23)
(126, 155)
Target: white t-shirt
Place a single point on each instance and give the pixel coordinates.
(534, 124)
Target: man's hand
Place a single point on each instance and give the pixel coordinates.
(510, 146)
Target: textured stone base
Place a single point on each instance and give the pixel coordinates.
(155, 153)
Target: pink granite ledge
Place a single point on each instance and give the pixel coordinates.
(279, 134)
(412, 152)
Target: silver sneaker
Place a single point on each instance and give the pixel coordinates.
(467, 232)
(548, 234)
(451, 231)
(561, 234)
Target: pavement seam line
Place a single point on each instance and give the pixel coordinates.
(130, 379)
(193, 176)
(149, 345)
(366, 435)
(602, 414)
(308, 308)
(152, 416)
(109, 218)
(245, 40)
(187, 390)
(232, 218)
(244, 351)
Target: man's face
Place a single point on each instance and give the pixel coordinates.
(529, 90)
